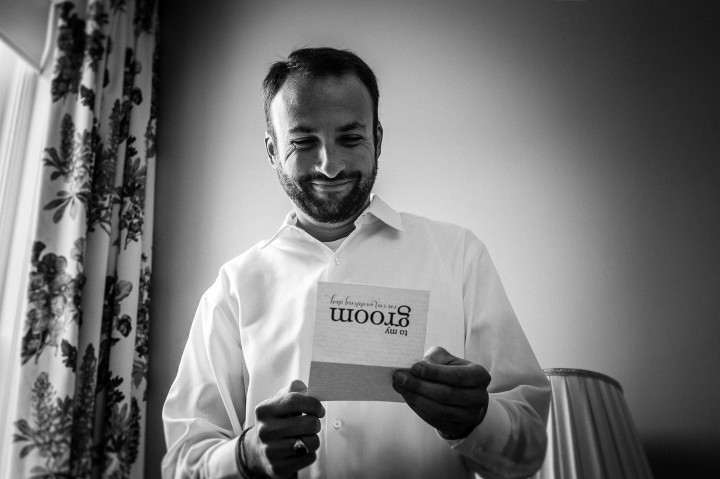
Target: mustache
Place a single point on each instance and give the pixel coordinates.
(342, 176)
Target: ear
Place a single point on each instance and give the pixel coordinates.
(271, 150)
(378, 142)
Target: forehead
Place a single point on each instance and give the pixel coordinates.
(321, 100)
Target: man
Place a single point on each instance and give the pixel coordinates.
(239, 407)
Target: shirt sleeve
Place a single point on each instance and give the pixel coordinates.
(205, 407)
(511, 440)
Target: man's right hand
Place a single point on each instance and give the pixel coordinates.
(279, 422)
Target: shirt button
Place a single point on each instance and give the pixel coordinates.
(337, 260)
(337, 423)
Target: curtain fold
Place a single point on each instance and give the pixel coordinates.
(84, 355)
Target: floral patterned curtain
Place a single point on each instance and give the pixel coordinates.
(81, 409)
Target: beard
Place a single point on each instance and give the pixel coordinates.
(334, 208)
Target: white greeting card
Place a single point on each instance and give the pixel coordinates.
(363, 334)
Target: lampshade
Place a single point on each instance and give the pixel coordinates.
(590, 431)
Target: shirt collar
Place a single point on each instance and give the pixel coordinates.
(376, 210)
(380, 211)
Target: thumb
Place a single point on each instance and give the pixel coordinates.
(297, 386)
(440, 355)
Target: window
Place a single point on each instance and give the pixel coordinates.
(24, 101)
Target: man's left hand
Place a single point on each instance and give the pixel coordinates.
(447, 392)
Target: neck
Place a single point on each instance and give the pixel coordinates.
(327, 231)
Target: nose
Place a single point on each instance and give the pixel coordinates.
(329, 163)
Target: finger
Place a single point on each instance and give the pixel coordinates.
(280, 429)
(440, 392)
(296, 386)
(288, 465)
(440, 355)
(289, 404)
(284, 449)
(282, 458)
(446, 418)
(462, 373)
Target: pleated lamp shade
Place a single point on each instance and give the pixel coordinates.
(590, 431)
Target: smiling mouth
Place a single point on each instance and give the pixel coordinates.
(333, 185)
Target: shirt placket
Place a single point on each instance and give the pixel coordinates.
(335, 432)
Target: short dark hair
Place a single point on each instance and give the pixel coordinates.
(318, 63)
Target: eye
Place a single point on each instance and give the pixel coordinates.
(302, 142)
(352, 140)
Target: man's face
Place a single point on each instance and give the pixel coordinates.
(324, 150)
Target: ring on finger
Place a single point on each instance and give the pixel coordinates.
(300, 448)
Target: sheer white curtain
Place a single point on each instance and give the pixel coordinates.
(24, 100)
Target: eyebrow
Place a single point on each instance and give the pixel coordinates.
(355, 125)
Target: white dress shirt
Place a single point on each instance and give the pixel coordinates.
(252, 336)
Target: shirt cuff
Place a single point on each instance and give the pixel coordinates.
(221, 463)
(489, 437)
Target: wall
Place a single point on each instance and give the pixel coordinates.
(579, 140)
(23, 24)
